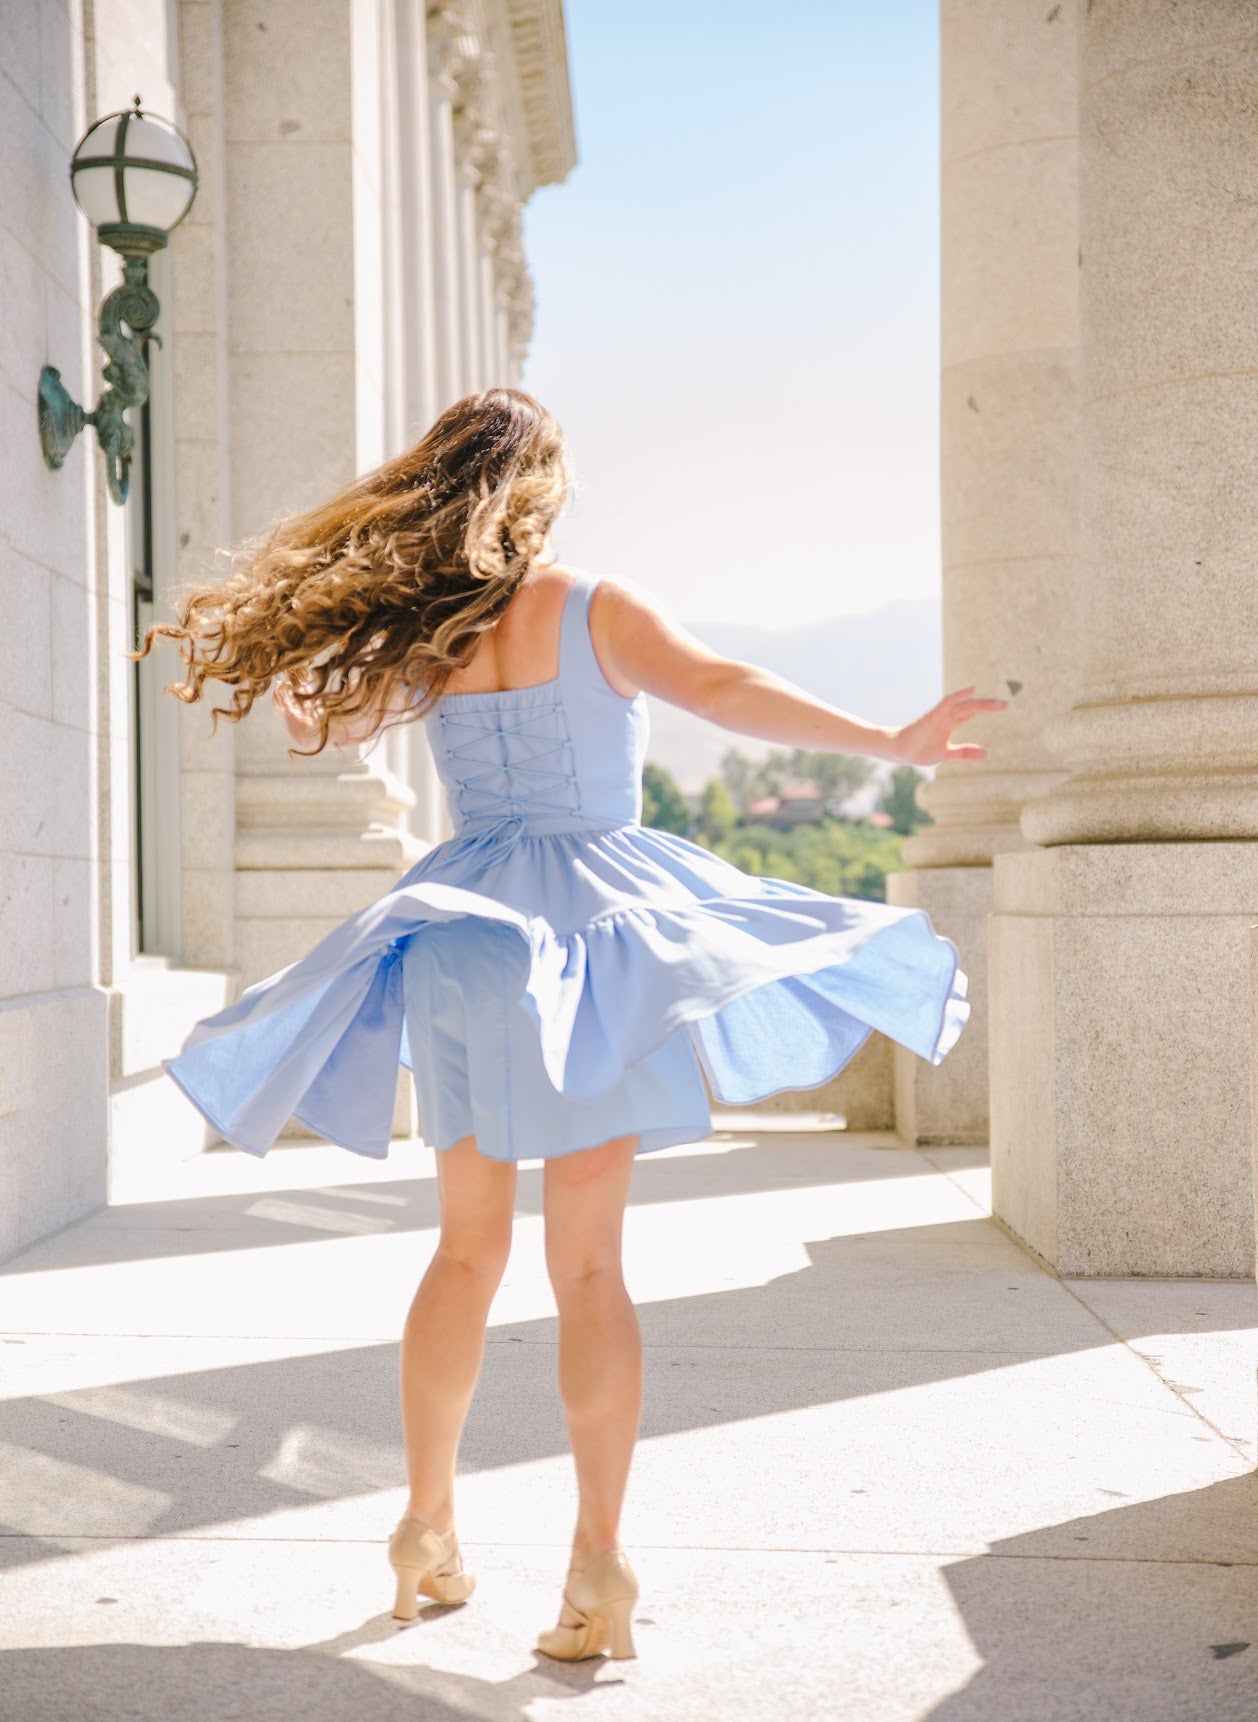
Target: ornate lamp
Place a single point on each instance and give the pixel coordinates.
(134, 176)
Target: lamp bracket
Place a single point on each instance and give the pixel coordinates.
(126, 323)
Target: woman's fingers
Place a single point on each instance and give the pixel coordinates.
(976, 703)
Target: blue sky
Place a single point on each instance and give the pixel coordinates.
(738, 303)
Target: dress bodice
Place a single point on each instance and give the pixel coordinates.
(555, 756)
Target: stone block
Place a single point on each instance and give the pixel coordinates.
(1172, 515)
(26, 956)
(1009, 261)
(53, 1148)
(287, 75)
(1253, 1065)
(292, 432)
(281, 892)
(19, 49)
(194, 268)
(208, 905)
(209, 755)
(43, 511)
(73, 622)
(1009, 428)
(38, 210)
(61, 92)
(26, 644)
(200, 57)
(1008, 74)
(154, 1006)
(947, 1103)
(296, 204)
(263, 946)
(25, 347)
(1121, 1112)
(71, 931)
(68, 805)
(1037, 654)
(207, 818)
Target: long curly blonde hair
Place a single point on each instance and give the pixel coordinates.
(384, 590)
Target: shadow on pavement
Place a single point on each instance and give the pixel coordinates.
(231, 1682)
(1116, 1635)
(732, 1165)
(220, 1445)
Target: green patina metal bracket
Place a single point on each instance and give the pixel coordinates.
(130, 311)
(126, 323)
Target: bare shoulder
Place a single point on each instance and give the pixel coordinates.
(624, 604)
(640, 646)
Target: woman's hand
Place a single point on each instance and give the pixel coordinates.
(299, 719)
(928, 739)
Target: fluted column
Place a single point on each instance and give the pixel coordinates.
(417, 199)
(1009, 415)
(1121, 1101)
(473, 368)
(315, 839)
(1163, 733)
(444, 65)
(1009, 409)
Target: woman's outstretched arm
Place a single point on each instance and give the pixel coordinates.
(639, 648)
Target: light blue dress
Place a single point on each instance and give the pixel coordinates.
(557, 973)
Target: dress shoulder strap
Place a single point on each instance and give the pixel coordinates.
(576, 648)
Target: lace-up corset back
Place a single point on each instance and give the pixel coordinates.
(556, 755)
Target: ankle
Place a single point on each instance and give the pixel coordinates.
(587, 1547)
(437, 1515)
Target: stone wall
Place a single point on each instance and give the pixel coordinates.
(351, 263)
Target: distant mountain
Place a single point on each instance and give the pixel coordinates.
(884, 665)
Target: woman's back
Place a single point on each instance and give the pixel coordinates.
(533, 731)
(522, 648)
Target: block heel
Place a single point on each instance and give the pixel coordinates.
(425, 1561)
(602, 1596)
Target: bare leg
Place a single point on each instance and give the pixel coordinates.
(600, 1348)
(444, 1337)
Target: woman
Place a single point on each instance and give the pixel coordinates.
(559, 977)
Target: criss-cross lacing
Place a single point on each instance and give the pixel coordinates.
(503, 742)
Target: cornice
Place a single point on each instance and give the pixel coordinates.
(541, 65)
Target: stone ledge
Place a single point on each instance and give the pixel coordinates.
(153, 1007)
(1218, 878)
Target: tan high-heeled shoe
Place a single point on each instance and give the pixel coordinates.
(602, 1596)
(425, 1560)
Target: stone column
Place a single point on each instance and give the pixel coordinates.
(315, 839)
(469, 274)
(1120, 1085)
(1253, 1058)
(1008, 470)
(417, 199)
(443, 63)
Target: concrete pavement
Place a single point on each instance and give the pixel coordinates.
(890, 1469)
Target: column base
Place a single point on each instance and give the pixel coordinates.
(946, 1104)
(1120, 1087)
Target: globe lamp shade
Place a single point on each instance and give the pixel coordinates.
(134, 177)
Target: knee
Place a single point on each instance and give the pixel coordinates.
(481, 1254)
(576, 1267)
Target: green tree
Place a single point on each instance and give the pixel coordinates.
(843, 859)
(837, 775)
(899, 799)
(663, 804)
(769, 774)
(736, 774)
(717, 813)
